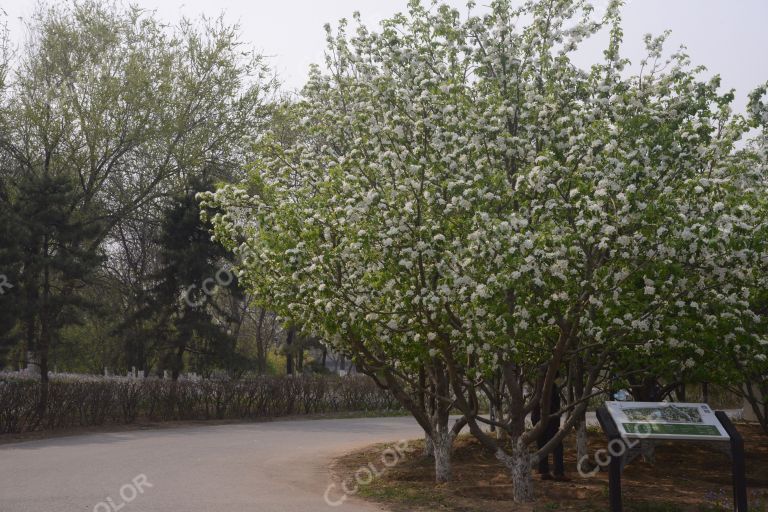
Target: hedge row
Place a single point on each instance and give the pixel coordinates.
(92, 401)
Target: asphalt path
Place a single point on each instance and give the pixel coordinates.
(279, 466)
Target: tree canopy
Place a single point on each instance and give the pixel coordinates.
(467, 199)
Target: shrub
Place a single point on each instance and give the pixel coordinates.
(77, 401)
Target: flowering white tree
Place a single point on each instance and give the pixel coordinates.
(740, 359)
(468, 205)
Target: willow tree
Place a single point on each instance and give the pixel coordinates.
(472, 205)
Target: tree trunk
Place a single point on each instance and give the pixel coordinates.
(177, 359)
(300, 359)
(45, 337)
(647, 390)
(501, 433)
(582, 446)
(648, 451)
(29, 320)
(178, 362)
(429, 446)
(43, 405)
(289, 350)
(756, 396)
(519, 466)
(442, 442)
(576, 390)
(261, 350)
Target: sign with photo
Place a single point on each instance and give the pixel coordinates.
(666, 420)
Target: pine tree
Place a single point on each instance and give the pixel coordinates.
(10, 268)
(182, 307)
(51, 250)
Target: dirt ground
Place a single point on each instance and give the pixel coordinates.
(684, 477)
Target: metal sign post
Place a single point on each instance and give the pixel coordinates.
(739, 464)
(614, 468)
(622, 429)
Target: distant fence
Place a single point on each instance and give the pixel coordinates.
(88, 401)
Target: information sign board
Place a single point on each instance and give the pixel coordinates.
(666, 420)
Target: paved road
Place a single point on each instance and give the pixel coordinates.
(262, 467)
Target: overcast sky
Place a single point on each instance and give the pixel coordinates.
(730, 37)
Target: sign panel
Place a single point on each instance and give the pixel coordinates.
(666, 420)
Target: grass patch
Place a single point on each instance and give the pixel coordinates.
(380, 491)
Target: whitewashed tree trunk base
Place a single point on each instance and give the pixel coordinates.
(442, 443)
(648, 450)
(582, 447)
(519, 466)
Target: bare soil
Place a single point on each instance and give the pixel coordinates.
(685, 477)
